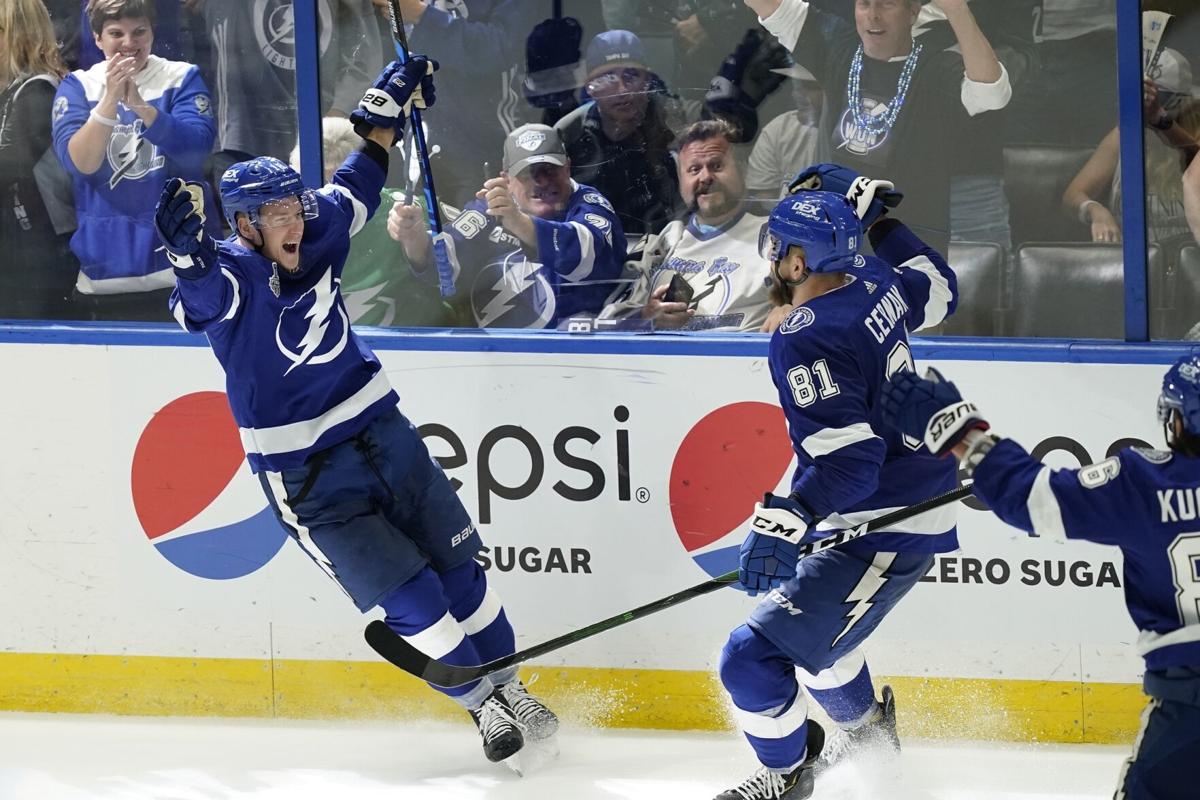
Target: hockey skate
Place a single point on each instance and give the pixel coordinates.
(530, 712)
(795, 785)
(877, 735)
(502, 737)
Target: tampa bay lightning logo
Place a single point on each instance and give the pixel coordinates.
(314, 329)
(275, 29)
(801, 317)
(513, 293)
(130, 155)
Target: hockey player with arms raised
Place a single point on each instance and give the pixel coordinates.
(1141, 500)
(846, 333)
(347, 475)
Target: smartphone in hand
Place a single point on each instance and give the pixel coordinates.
(679, 290)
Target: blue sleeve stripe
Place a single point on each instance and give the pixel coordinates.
(937, 304)
(830, 440)
(1044, 510)
(587, 253)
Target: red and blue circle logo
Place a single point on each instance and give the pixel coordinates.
(726, 462)
(194, 496)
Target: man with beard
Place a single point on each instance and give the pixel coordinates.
(704, 272)
(536, 246)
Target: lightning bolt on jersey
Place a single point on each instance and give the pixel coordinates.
(829, 359)
(576, 266)
(728, 276)
(115, 242)
(298, 378)
(1145, 502)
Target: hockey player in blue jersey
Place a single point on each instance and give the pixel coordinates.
(1141, 500)
(346, 473)
(847, 331)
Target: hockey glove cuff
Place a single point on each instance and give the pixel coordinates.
(929, 409)
(770, 552)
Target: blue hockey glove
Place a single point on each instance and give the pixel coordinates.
(179, 220)
(389, 100)
(768, 556)
(929, 409)
(870, 197)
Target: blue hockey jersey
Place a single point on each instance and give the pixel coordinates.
(829, 359)
(298, 378)
(575, 268)
(115, 242)
(1143, 501)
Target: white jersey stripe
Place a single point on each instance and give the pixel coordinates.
(829, 440)
(844, 670)
(940, 295)
(587, 253)
(438, 639)
(1044, 511)
(360, 210)
(489, 609)
(1149, 641)
(300, 435)
(764, 727)
(933, 522)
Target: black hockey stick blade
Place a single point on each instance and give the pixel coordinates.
(392, 647)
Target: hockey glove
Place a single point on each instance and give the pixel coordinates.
(743, 81)
(930, 409)
(179, 220)
(768, 556)
(870, 197)
(390, 99)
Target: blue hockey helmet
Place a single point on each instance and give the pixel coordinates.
(249, 185)
(1181, 393)
(823, 223)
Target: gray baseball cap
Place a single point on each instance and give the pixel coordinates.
(533, 144)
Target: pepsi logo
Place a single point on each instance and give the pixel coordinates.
(194, 496)
(724, 465)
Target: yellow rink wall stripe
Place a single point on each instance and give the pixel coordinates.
(993, 709)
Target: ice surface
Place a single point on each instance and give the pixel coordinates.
(52, 757)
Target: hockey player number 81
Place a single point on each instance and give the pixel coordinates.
(804, 390)
(1184, 553)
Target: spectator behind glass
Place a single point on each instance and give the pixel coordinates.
(1071, 98)
(890, 98)
(1172, 117)
(37, 270)
(377, 285)
(620, 141)
(704, 273)
(121, 128)
(167, 43)
(534, 247)
(254, 50)
(480, 45)
(66, 18)
(789, 141)
(1191, 198)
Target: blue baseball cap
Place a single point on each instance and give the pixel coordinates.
(615, 49)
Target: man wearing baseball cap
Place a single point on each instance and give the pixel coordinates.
(534, 247)
(620, 142)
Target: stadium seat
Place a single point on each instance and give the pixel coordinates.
(1071, 290)
(1035, 177)
(979, 267)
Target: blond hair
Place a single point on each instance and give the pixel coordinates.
(338, 141)
(30, 48)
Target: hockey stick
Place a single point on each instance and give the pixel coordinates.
(441, 256)
(395, 649)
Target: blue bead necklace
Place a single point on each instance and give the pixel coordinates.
(876, 125)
